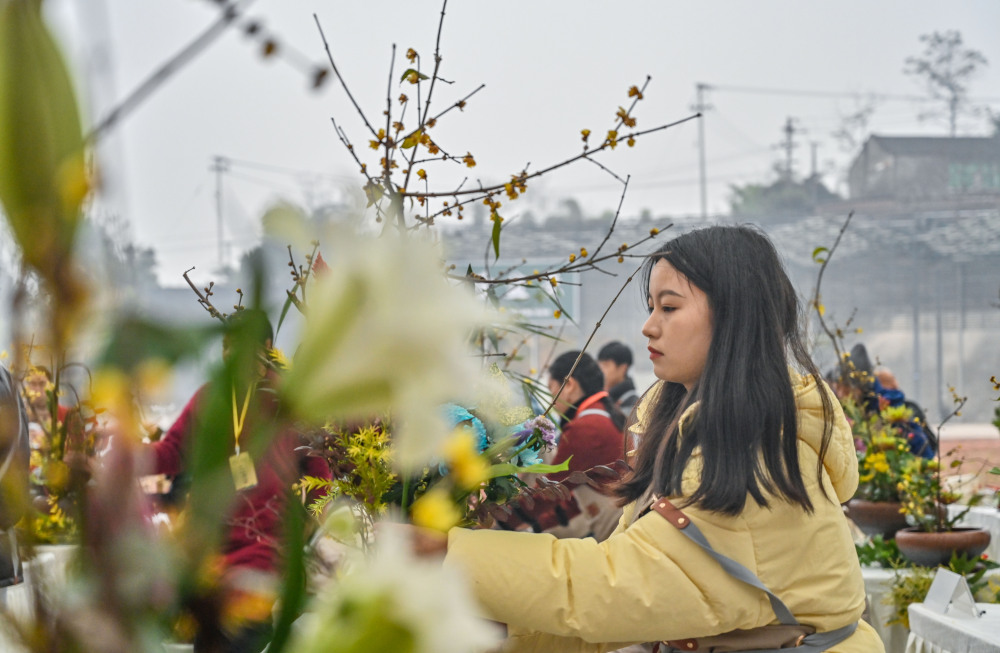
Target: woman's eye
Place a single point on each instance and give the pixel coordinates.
(668, 309)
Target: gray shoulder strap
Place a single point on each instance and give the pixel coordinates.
(814, 643)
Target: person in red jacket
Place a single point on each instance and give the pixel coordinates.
(591, 436)
(251, 548)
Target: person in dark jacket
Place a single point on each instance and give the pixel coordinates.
(591, 436)
(14, 457)
(615, 359)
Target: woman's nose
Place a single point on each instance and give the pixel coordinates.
(648, 328)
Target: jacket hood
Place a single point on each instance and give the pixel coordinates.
(841, 461)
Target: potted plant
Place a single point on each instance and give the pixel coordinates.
(883, 454)
(934, 537)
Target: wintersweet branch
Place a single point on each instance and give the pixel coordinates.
(606, 144)
(571, 267)
(168, 68)
(590, 338)
(819, 282)
(343, 83)
(203, 298)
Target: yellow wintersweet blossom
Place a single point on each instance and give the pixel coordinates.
(463, 459)
(612, 138)
(634, 91)
(153, 375)
(422, 173)
(435, 510)
(630, 141)
(468, 160)
(557, 314)
(411, 54)
(110, 389)
(572, 257)
(585, 133)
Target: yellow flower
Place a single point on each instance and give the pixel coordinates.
(278, 357)
(411, 54)
(630, 141)
(153, 375)
(583, 252)
(572, 257)
(469, 161)
(422, 173)
(654, 231)
(586, 134)
(612, 138)
(557, 314)
(463, 460)
(634, 91)
(435, 510)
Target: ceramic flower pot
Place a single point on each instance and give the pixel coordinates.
(933, 549)
(876, 517)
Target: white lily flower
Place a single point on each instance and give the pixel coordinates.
(385, 332)
(395, 601)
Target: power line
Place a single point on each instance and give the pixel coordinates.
(284, 170)
(831, 94)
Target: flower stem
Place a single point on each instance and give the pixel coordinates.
(406, 494)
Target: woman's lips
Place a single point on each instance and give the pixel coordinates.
(653, 353)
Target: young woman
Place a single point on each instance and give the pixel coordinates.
(744, 441)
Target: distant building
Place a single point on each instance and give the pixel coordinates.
(963, 172)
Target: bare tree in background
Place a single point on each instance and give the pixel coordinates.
(946, 67)
(853, 129)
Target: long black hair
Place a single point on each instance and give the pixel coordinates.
(745, 423)
(590, 377)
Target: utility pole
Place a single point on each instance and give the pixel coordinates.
(701, 108)
(789, 145)
(220, 166)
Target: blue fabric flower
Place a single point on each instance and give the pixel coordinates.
(455, 415)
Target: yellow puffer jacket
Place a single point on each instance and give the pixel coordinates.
(648, 582)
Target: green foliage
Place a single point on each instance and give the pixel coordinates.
(880, 552)
(362, 469)
(784, 197)
(911, 584)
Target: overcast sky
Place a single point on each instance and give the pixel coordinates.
(551, 68)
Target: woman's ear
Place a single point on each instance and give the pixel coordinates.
(572, 392)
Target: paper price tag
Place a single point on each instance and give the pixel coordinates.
(244, 474)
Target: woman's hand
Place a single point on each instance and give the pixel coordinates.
(425, 543)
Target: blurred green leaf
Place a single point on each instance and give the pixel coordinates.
(496, 235)
(293, 593)
(43, 178)
(508, 469)
(135, 340)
